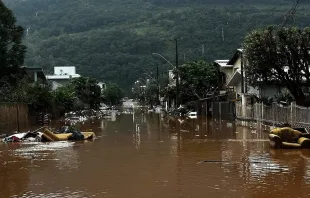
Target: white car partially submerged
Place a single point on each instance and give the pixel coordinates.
(192, 114)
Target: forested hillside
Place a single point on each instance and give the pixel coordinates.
(113, 40)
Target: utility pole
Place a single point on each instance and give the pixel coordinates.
(157, 82)
(177, 72)
(242, 78)
(17, 117)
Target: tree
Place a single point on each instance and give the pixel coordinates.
(208, 31)
(40, 97)
(139, 93)
(37, 95)
(197, 80)
(168, 92)
(113, 94)
(64, 98)
(146, 93)
(151, 94)
(88, 91)
(279, 57)
(12, 51)
(16, 93)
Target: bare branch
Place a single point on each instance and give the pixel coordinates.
(196, 95)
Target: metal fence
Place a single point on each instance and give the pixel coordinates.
(223, 110)
(275, 114)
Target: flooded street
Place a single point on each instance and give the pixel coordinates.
(143, 155)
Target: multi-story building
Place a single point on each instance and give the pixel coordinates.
(62, 76)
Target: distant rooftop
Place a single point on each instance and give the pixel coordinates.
(223, 63)
(63, 73)
(64, 70)
(38, 71)
(62, 77)
(32, 68)
(235, 56)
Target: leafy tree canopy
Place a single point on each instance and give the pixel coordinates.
(113, 94)
(87, 90)
(113, 40)
(64, 98)
(279, 56)
(147, 93)
(40, 97)
(26, 91)
(12, 51)
(197, 79)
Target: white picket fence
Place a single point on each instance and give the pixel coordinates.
(275, 114)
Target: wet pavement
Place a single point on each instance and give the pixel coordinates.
(143, 155)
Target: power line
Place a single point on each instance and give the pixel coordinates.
(290, 14)
(177, 72)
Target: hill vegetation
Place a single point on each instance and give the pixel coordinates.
(114, 40)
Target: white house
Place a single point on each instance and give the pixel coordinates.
(62, 76)
(102, 85)
(172, 81)
(231, 77)
(225, 75)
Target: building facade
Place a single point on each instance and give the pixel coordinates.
(233, 75)
(62, 76)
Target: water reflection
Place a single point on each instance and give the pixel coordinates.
(307, 173)
(103, 127)
(14, 176)
(136, 137)
(152, 155)
(262, 165)
(113, 116)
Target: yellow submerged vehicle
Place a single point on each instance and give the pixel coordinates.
(288, 138)
(49, 136)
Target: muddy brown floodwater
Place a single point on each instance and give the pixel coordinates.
(144, 156)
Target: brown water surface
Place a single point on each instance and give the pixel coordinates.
(145, 156)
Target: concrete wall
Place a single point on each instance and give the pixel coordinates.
(237, 64)
(238, 88)
(228, 72)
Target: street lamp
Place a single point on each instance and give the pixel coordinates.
(163, 58)
(177, 73)
(157, 67)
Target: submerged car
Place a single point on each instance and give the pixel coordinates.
(192, 114)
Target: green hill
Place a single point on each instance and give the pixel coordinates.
(114, 40)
